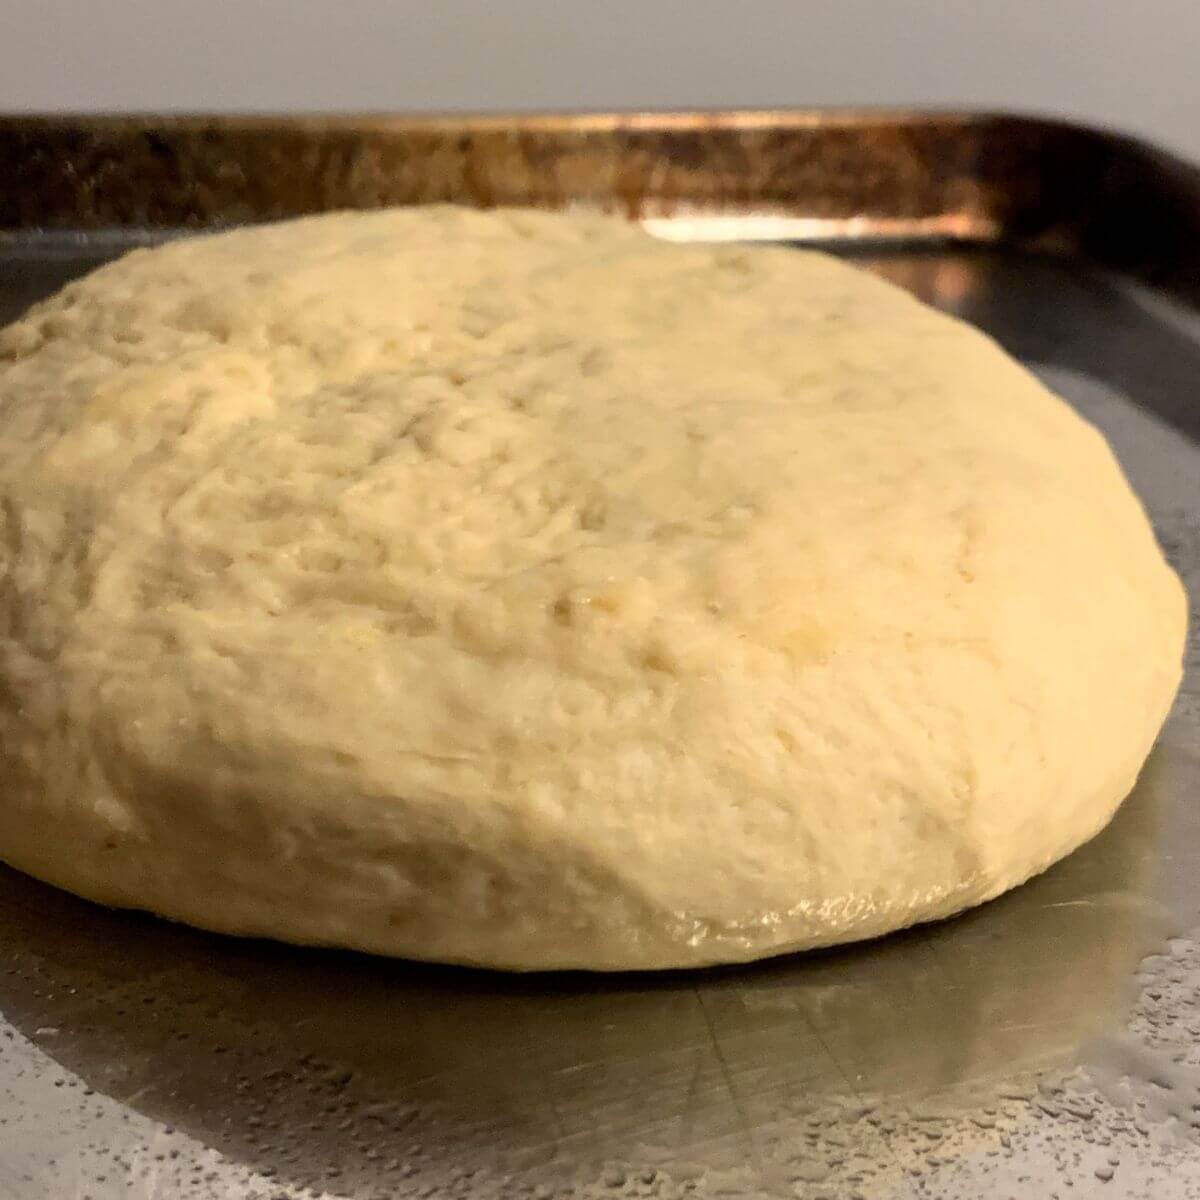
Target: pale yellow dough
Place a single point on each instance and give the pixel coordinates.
(520, 590)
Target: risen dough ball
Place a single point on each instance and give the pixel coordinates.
(517, 589)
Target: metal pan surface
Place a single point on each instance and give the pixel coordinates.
(1047, 1044)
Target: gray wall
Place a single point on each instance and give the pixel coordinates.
(1130, 63)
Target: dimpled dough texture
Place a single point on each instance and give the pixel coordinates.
(520, 590)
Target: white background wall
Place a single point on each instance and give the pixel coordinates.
(1130, 63)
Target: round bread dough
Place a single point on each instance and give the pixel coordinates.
(517, 589)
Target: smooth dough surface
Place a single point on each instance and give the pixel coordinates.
(520, 590)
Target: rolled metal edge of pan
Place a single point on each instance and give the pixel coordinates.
(1044, 185)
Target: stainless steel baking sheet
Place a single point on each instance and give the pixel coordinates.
(1045, 1045)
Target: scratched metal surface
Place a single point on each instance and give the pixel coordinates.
(1029, 1048)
